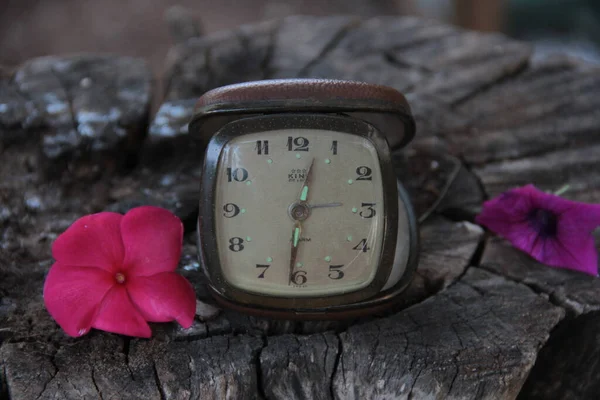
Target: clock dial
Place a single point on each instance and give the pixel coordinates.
(299, 212)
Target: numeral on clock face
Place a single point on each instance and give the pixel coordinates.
(297, 144)
(262, 147)
(335, 272)
(264, 269)
(362, 246)
(236, 244)
(299, 277)
(230, 210)
(364, 173)
(369, 211)
(237, 174)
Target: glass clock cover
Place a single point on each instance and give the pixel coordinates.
(299, 212)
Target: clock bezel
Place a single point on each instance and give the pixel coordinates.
(207, 241)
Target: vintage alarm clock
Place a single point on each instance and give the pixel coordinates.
(301, 215)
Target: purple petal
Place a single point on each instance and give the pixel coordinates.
(585, 217)
(508, 216)
(580, 255)
(571, 246)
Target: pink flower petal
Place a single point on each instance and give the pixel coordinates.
(92, 241)
(164, 297)
(73, 295)
(118, 315)
(153, 238)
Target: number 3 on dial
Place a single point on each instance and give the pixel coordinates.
(369, 212)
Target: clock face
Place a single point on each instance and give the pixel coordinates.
(299, 212)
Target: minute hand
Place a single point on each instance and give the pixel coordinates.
(304, 191)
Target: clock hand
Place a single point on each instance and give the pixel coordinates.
(304, 192)
(326, 205)
(294, 250)
(298, 224)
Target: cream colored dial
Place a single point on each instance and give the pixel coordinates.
(299, 212)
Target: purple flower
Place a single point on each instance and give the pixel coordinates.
(554, 231)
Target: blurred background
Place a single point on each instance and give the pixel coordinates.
(30, 28)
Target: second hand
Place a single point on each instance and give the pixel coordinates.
(326, 205)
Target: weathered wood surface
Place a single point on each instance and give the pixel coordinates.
(480, 320)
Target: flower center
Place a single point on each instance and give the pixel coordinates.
(543, 221)
(119, 277)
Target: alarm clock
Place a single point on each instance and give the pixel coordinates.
(301, 214)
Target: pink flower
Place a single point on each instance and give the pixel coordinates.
(115, 272)
(554, 231)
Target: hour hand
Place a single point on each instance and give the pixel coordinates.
(294, 249)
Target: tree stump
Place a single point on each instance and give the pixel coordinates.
(480, 320)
